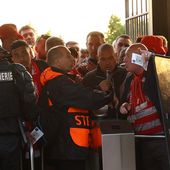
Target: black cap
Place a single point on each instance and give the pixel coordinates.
(18, 43)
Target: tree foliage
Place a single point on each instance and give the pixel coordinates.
(115, 28)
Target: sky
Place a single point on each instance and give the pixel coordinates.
(70, 19)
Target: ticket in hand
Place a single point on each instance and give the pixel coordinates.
(139, 60)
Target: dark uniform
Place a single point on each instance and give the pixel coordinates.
(10, 111)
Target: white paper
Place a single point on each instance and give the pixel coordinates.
(139, 60)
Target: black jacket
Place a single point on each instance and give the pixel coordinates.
(12, 94)
(94, 77)
(67, 93)
(64, 93)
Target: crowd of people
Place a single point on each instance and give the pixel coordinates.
(72, 85)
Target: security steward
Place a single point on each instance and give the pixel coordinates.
(71, 103)
(10, 111)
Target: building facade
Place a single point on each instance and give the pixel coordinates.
(147, 17)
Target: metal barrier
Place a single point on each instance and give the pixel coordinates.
(42, 158)
(28, 141)
(149, 136)
(113, 144)
(115, 148)
(31, 151)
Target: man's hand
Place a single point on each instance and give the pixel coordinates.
(125, 108)
(105, 85)
(145, 54)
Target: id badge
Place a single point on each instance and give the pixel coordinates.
(36, 134)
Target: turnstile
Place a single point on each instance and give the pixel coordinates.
(113, 145)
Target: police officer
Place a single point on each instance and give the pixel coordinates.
(14, 104)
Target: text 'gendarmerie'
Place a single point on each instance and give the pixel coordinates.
(6, 76)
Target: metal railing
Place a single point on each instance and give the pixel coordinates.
(137, 18)
(137, 25)
(28, 141)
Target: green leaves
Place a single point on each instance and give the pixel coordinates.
(115, 28)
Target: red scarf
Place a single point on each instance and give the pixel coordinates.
(137, 96)
(35, 72)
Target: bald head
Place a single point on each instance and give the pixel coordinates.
(104, 47)
(52, 42)
(136, 47)
(106, 58)
(55, 53)
(131, 67)
(60, 57)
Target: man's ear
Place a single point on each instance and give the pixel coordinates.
(139, 50)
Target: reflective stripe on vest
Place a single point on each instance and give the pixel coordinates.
(79, 126)
(80, 136)
(48, 74)
(74, 110)
(79, 119)
(146, 121)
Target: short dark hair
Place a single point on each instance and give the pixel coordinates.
(25, 27)
(74, 52)
(95, 33)
(104, 46)
(138, 39)
(71, 43)
(123, 36)
(44, 36)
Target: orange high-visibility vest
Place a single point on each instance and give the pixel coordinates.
(79, 119)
